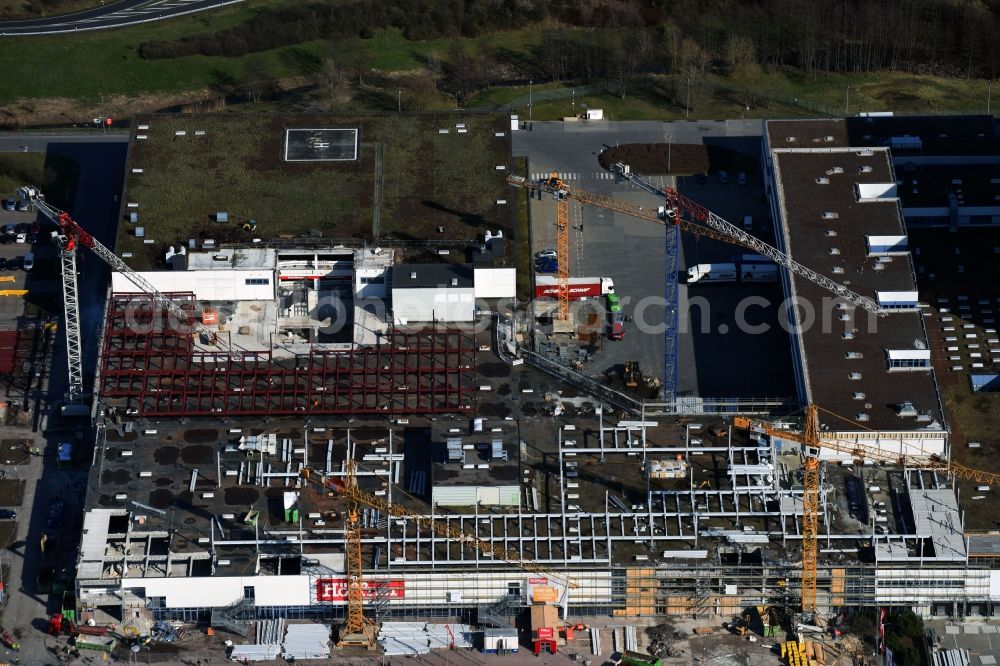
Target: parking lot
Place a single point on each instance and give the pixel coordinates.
(715, 360)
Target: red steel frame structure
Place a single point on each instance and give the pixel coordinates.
(156, 367)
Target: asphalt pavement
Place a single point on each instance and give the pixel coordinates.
(607, 244)
(101, 158)
(109, 15)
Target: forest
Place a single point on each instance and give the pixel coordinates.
(950, 37)
(623, 45)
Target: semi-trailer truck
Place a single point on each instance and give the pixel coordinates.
(743, 268)
(547, 286)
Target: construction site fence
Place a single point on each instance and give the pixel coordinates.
(627, 403)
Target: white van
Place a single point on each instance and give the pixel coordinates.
(29, 261)
(747, 222)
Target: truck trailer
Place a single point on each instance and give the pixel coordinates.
(743, 268)
(547, 286)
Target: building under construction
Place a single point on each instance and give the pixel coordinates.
(224, 448)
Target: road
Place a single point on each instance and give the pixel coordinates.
(109, 15)
(101, 157)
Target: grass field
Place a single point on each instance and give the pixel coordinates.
(429, 180)
(977, 415)
(102, 68)
(55, 174)
(101, 64)
(23, 9)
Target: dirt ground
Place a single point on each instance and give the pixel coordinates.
(657, 158)
(14, 451)
(11, 492)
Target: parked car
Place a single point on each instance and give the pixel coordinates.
(616, 331)
(7, 514)
(23, 205)
(29, 261)
(741, 178)
(723, 177)
(546, 266)
(9, 229)
(21, 238)
(546, 254)
(9, 203)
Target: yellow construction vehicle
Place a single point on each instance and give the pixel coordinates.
(631, 374)
(812, 444)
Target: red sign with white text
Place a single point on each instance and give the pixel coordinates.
(545, 632)
(335, 589)
(538, 581)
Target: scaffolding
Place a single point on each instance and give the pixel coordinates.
(162, 372)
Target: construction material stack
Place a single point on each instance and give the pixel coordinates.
(803, 653)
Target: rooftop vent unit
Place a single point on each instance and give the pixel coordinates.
(864, 168)
(828, 138)
(865, 152)
(830, 215)
(413, 275)
(854, 376)
(862, 416)
(858, 395)
(879, 266)
(834, 251)
(848, 335)
(854, 355)
(924, 417)
(790, 139)
(454, 282)
(844, 317)
(822, 180)
(833, 170)
(838, 270)
(906, 409)
(830, 233)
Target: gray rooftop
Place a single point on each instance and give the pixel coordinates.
(828, 228)
(424, 276)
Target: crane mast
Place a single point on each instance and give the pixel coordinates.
(70, 236)
(697, 213)
(694, 218)
(813, 443)
(348, 488)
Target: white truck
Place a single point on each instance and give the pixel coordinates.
(743, 268)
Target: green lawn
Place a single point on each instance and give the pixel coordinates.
(389, 51)
(26, 9)
(104, 63)
(430, 180)
(55, 174)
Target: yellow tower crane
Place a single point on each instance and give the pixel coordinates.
(813, 442)
(359, 630)
(555, 185)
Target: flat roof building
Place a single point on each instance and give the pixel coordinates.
(838, 212)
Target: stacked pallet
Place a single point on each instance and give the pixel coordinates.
(803, 653)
